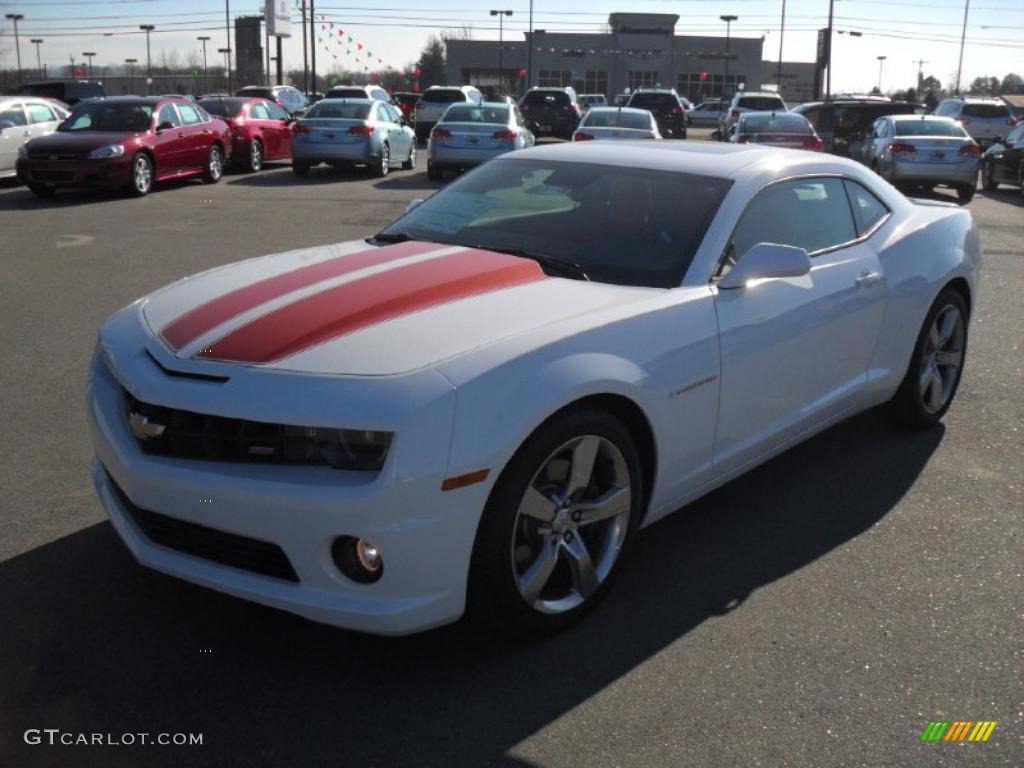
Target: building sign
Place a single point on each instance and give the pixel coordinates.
(279, 18)
(628, 30)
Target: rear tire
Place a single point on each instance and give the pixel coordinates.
(300, 169)
(936, 365)
(380, 170)
(434, 173)
(987, 180)
(531, 525)
(214, 169)
(410, 164)
(255, 160)
(965, 194)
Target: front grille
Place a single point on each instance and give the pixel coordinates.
(190, 435)
(208, 543)
(53, 157)
(50, 175)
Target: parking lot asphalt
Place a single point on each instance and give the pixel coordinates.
(819, 611)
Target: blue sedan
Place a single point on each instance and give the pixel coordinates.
(470, 134)
(346, 132)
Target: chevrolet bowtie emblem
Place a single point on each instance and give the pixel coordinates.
(143, 428)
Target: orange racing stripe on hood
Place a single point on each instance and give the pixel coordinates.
(208, 316)
(374, 299)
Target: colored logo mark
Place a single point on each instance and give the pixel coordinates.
(958, 730)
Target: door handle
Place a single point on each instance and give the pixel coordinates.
(181, 135)
(867, 278)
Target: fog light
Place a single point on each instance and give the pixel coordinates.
(358, 559)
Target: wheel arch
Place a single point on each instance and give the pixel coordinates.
(960, 285)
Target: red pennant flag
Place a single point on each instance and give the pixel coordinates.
(360, 46)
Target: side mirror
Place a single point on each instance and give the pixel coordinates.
(413, 205)
(5, 124)
(166, 125)
(767, 260)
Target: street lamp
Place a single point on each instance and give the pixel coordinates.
(147, 28)
(782, 34)
(728, 19)
(206, 74)
(501, 14)
(16, 17)
(131, 72)
(881, 60)
(39, 59)
(89, 55)
(227, 65)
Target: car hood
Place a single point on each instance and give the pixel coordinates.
(66, 142)
(352, 308)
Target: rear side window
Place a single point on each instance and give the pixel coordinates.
(554, 98)
(760, 103)
(813, 214)
(444, 96)
(868, 210)
(986, 110)
(927, 127)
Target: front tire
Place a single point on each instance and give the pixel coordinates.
(557, 524)
(214, 169)
(936, 365)
(142, 175)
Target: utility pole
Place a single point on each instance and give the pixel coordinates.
(828, 53)
(782, 34)
(501, 14)
(312, 43)
(305, 55)
(39, 59)
(529, 52)
(920, 75)
(728, 19)
(147, 28)
(16, 17)
(131, 73)
(881, 61)
(204, 39)
(227, 31)
(963, 36)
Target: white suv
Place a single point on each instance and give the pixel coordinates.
(748, 101)
(374, 92)
(983, 119)
(435, 102)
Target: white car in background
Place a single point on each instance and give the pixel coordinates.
(23, 118)
(478, 407)
(984, 119)
(617, 123)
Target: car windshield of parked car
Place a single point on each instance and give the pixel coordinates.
(654, 101)
(986, 110)
(339, 110)
(761, 103)
(601, 118)
(474, 114)
(619, 224)
(223, 107)
(929, 128)
(444, 96)
(784, 123)
(105, 116)
(547, 98)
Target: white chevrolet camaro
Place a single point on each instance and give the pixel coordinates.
(476, 409)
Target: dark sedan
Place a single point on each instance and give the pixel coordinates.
(776, 129)
(261, 130)
(1003, 162)
(127, 142)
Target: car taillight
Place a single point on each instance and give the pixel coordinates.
(300, 128)
(1013, 120)
(677, 111)
(813, 143)
(970, 150)
(506, 135)
(580, 136)
(903, 149)
(440, 133)
(360, 130)
(524, 108)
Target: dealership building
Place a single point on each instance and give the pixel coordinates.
(640, 50)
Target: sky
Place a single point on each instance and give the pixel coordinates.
(395, 30)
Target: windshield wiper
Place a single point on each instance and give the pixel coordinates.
(563, 266)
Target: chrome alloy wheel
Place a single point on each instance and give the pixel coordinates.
(143, 174)
(255, 156)
(942, 358)
(216, 167)
(571, 524)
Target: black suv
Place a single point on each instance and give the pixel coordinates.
(551, 111)
(666, 107)
(69, 91)
(842, 125)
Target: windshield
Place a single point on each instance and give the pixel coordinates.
(775, 124)
(104, 116)
(601, 118)
(929, 128)
(444, 96)
(621, 225)
(473, 114)
(222, 107)
(339, 110)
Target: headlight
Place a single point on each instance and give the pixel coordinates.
(23, 151)
(103, 153)
(340, 448)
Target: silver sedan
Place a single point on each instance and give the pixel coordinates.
(470, 134)
(923, 151)
(22, 119)
(617, 123)
(345, 132)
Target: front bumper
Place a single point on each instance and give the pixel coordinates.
(425, 535)
(959, 173)
(103, 174)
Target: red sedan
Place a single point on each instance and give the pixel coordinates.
(127, 141)
(260, 128)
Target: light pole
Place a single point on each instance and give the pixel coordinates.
(828, 53)
(227, 32)
(782, 34)
(881, 61)
(206, 74)
(501, 14)
(529, 52)
(147, 28)
(227, 65)
(728, 19)
(16, 17)
(131, 73)
(89, 55)
(959, 66)
(39, 58)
